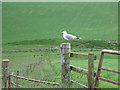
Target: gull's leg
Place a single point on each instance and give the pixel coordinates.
(68, 41)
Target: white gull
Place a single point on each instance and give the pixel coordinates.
(69, 36)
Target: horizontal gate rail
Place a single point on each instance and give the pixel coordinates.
(109, 70)
(110, 81)
(111, 52)
(17, 85)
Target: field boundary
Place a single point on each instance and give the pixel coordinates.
(104, 51)
(32, 50)
(66, 67)
(33, 80)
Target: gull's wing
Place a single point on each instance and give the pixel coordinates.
(69, 36)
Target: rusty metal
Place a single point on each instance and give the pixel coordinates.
(98, 72)
(17, 85)
(100, 68)
(111, 52)
(110, 81)
(9, 84)
(110, 70)
(33, 80)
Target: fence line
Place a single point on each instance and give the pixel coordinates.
(30, 67)
(49, 50)
(8, 79)
(32, 50)
(5, 67)
(35, 55)
(33, 80)
(12, 83)
(66, 68)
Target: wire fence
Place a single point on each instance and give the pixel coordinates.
(28, 79)
(29, 68)
(42, 65)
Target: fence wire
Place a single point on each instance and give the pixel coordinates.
(43, 64)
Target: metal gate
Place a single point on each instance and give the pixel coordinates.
(100, 68)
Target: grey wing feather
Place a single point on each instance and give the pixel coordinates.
(69, 36)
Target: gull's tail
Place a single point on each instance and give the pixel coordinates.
(79, 38)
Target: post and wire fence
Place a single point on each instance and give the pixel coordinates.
(66, 67)
(40, 73)
(49, 72)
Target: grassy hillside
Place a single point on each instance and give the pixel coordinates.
(0, 22)
(31, 21)
(50, 69)
(30, 30)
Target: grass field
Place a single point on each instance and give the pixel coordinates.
(50, 69)
(31, 21)
(29, 26)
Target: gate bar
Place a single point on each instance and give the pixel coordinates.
(109, 70)
(17, 85)
(110, 81)
(46, 82)
(111, 52)
(100, 67)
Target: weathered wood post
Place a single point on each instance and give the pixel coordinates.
(30, 67)
(91, 58)
(5, 63)
(27, 69)
(17, 78)
(65, 64)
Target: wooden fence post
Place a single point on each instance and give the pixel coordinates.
(5, 63)
(27, 69)
(65, 64)
(30, 67)
(91, 58)
(17, 78)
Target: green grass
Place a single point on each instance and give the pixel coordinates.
(49, 43)
(28, 26)
(50, 69)
(31, 21)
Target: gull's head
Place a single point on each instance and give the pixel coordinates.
(64, 32)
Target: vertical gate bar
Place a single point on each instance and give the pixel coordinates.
(98, 71)
(9, 84)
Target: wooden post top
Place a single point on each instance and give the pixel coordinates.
(65, 43)
(5, 60)
(92, 56)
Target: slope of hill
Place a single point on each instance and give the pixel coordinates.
(31, 21)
